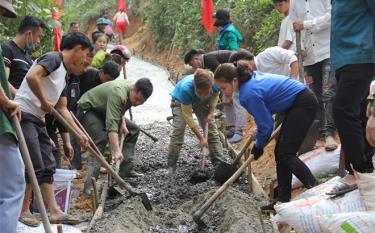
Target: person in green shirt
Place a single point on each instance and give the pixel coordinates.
(101, 111)
(12, 168)
(228, 37)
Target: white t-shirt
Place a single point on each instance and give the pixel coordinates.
(286, 33)
(120, 17)
(52, 85)
(275, 60)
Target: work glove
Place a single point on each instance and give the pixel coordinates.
(256, 152)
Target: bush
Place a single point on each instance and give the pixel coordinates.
(179, 22)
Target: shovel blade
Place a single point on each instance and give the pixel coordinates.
(224, 171)
(145, 201)
(199, 176)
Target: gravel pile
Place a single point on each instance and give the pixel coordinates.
(175, 198)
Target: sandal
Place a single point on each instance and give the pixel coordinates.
(341, 188)
(330, 144)
(29, 219)
(65, 219)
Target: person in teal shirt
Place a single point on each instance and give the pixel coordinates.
(196, 94)
(353, 60)
(228, 38)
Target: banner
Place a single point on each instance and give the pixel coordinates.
(207, 16)
(122, 4)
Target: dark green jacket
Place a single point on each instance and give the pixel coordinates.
(5, 124)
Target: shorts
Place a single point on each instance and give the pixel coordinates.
(120, 27)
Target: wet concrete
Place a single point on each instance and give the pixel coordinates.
(174, 198)
(156, 107)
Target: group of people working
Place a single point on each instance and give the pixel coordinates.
(334, 91)
(33, 91)
(338, 77)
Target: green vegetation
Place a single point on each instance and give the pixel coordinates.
(179, 22)
(176, 23)
(84, 10)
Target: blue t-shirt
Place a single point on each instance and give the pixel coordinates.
(266, 94)
(184, 91)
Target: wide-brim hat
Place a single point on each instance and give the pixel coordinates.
(7, 5)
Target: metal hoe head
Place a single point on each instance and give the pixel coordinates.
(224, 171)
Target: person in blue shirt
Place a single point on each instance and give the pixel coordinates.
(195, 93)
(263, 95)
(353, 60)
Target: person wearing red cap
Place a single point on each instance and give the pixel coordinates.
(12, 169)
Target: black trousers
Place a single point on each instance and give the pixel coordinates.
(350, 114)
(298, 119)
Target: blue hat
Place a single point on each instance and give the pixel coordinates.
(102, 21)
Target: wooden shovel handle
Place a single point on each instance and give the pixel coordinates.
(198, 214)
(98, 156)
(301, 70)
(31, 172)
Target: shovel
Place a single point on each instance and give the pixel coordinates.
(100, 158)
(198, 214)
(225, 170)
(201, 174)
(31, 172)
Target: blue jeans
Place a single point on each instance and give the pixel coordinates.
(12, 183)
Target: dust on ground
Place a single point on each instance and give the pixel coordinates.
(175, 198)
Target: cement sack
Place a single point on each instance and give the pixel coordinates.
(319, 190)
(355, 222)
(366, 187)
(303, 214)
(320, 162)
(22, 228)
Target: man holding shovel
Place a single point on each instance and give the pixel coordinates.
(40, 92)
(12, 169)
(195, 93)
(100, 111)
(313, 19)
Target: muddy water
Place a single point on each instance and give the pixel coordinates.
(156, 107)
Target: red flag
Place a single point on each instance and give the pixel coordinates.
(207, 15)
(122, 4)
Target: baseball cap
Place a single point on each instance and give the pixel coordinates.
(222, 14)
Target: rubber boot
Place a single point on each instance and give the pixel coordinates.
(171, 166)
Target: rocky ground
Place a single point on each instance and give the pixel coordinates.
(174, 198)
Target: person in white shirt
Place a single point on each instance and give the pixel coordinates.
(313, 19)
(274, 60)
(286, 40)
(121, 20)
(44, 88)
